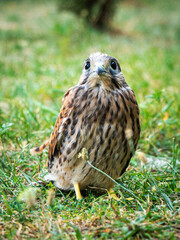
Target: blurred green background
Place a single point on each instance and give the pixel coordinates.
(42, 49)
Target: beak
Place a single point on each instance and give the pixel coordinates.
(101, 71)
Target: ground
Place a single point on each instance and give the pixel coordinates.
(41, 54)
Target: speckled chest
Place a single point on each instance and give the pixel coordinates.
(97, 122)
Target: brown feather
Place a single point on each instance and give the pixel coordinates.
(100, 114)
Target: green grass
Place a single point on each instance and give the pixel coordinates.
(41, 56)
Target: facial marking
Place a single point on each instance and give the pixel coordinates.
(102, 70)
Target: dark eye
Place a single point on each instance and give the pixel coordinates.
(87, 65)
(113, 64)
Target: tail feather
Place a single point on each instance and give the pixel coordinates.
(41, 148)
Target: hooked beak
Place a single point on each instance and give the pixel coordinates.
(101, 71)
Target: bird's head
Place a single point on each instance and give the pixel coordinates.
(101, 70)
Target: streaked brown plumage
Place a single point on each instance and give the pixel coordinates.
(100, 114)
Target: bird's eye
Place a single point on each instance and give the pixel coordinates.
(87, 65)
(113, 64)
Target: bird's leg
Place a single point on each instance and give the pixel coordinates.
(77, 191)
(112, 194)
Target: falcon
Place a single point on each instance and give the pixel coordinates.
(99, 114)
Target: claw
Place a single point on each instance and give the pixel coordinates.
(112, 194)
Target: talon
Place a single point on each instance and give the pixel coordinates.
(112, 194)
(77, 191)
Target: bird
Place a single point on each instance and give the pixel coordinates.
(99, 114)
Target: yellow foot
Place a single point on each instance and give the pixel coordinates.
(77, 191)
(112, 194)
